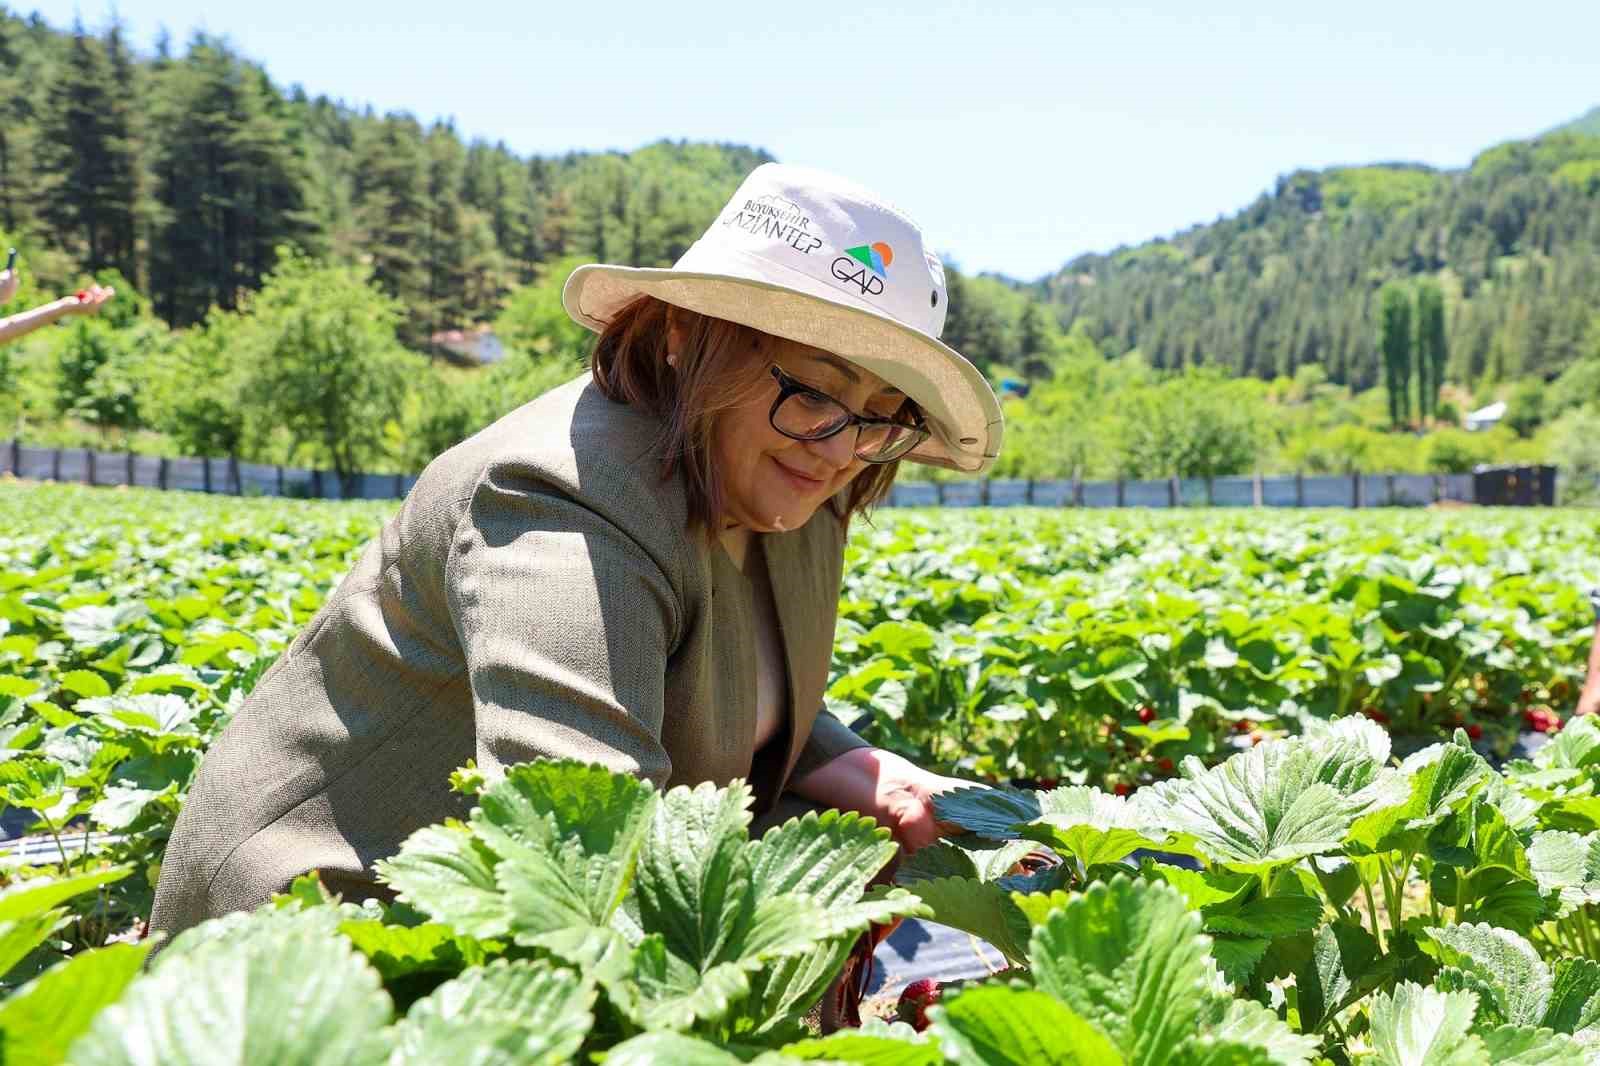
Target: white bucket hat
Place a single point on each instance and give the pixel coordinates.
(802, 254)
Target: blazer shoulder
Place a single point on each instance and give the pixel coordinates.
(573, 442)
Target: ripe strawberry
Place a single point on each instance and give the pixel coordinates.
(1376, 715)
(83, 294)
(1164, 764)
(1243, 725)
(1121, 788)
(1541, 720)
(1475, 731)
(1048, 783)
(915, 1001)
(1147, 714)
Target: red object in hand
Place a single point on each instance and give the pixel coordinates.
(915, 1000)
(1147, 714)
(1541, 720)
(83, 295)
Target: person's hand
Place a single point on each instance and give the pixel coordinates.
(88, 301)
(893, 790)
(1589, 700)
(9, 284)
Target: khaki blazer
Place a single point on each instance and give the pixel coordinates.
(538, 593)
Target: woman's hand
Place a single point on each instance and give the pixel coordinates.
(893, 790)
(88, 301)
(9, 283)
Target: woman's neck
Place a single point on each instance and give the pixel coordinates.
(736, 542)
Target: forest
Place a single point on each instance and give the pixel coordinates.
(273, 248)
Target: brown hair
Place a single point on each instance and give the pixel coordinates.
(714, 372)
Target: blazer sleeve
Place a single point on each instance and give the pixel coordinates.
(566, 624)
(829, 739)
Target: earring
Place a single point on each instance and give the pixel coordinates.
(672, 360)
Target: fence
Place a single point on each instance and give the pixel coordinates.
(227, 476)
(1503, 485)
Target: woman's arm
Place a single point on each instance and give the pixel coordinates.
(892, 789)
(28, 321)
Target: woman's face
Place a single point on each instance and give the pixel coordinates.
(772, 482)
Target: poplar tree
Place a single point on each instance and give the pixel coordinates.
(1432, 351)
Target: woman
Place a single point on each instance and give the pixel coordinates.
(85, 302)
(640, 568)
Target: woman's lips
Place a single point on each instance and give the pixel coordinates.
(799, 481)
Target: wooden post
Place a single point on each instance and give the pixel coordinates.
(1355, 490)
(130, 468)
(88, 466)
(16, 458)
(1299, 489)
(1388, 488)
(233, 475)
(1122, 493)
(280, 479)
(55, 465)
(164, 473)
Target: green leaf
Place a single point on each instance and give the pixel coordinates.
(1277, 802)
(1000, 1026)
(669, 1049)
(1270, 917)
(694, 881)
(282, 992)
(27, 899)
(568, 836)
(828, 856)
(503, 1014)
(1345, 965)
(1091, 826)
(156, 714)
(990, 812)
(983, 909)
(1442, 779)
(19, 936)
(1238, 957)
(1510, 1045)
(1416, 1026)
(85, 683)
(447, 873)
(46, 1015)
(864, 1049)
(1491, 894)
(1569, 864)
(1577, 746)
(1248, 1024)
(1130, 958)
(398, 951)
(1575, 998)
(1202, 888)
(1508, 963)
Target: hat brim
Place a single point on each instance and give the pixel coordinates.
(956, 399)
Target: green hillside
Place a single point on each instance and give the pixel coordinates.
(1587, 123)
(1514, 241)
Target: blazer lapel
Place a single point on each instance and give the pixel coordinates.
(797, 583)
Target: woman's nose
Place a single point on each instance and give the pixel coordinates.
(839, 450)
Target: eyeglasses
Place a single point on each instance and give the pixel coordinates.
(803, 413)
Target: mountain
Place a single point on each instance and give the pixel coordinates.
(1587, 123)
(1291, 280)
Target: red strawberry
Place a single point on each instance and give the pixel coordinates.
(83, 295)
(1243, 725)
(1376, 715)
(1475, 731)
(1147, 714)
(1164, 764)
(915, 1001)
(1047, 783)
(1121, 788)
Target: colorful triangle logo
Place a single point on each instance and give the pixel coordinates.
(876, 256)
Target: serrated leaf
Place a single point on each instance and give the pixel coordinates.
(1567, 863)
(283, 994)
(1238, 956)
(397, 951)
(1439, 780)
(157, 714)
(1345, 964)
(1270, 917)
(447, 873)
(85, 683)
(1416, 1026)
(1000, 1026)
(866, 1049)
(694, 878)
(1575, 998)
(828, 857)
(1249, 1024)
(42, 1019)
(989, 812)
(1577, 746)
(983, 909)
(1091, 826)
(1508, 963)
(568, 836)
(503, 1014)
(1129, 957)
(1510, 1045)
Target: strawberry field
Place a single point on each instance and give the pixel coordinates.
(1276, 765)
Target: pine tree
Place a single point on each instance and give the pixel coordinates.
(390, 184)
(1394, 343)
(86, 162)
(1432, 350)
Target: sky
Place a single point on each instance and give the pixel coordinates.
(1018, 135)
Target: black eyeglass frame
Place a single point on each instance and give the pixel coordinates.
(788, 386)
